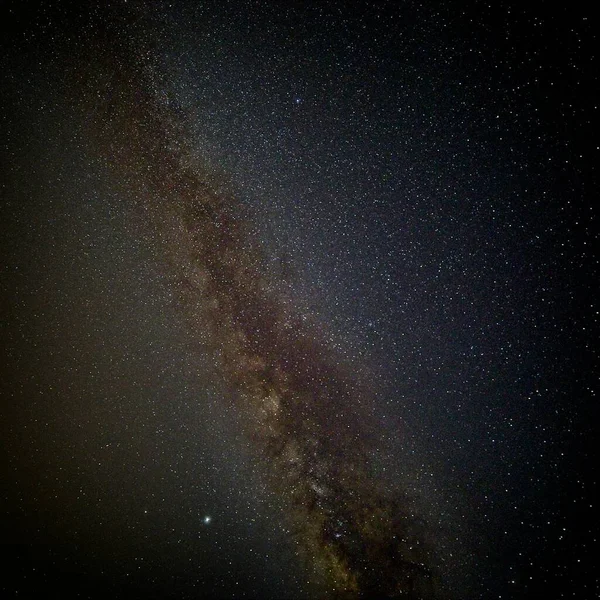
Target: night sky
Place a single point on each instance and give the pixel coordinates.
(298, 300)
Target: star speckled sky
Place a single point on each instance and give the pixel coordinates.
(298, 301)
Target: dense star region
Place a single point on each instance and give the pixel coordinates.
(303, 408)
(298, 300)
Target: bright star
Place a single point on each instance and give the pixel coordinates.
(207, 520)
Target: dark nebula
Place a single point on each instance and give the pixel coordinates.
(305, 410)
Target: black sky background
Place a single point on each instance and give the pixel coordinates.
(421, 179)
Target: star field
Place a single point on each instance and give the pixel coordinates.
(298, 301)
